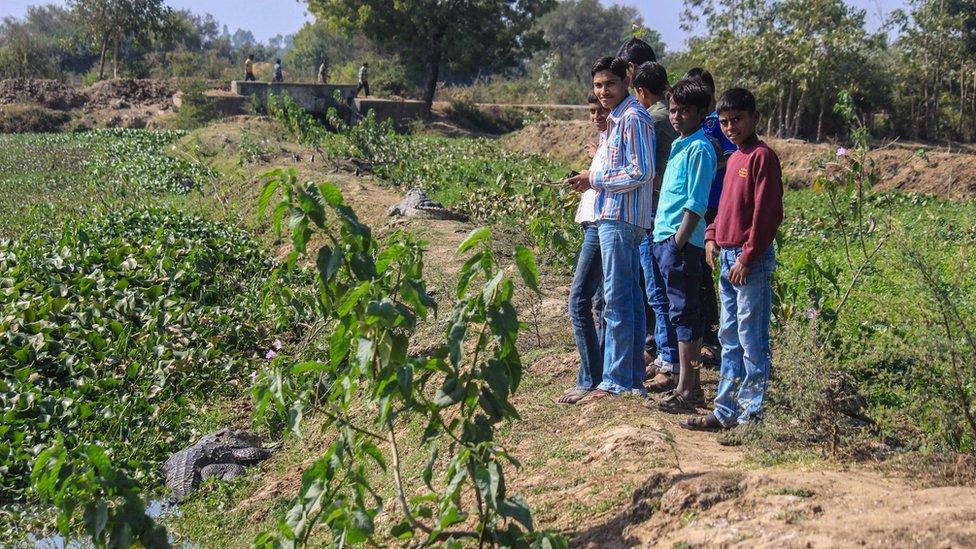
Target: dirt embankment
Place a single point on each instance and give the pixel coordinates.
(131, 103)
(909, 167)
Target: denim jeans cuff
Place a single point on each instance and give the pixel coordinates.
(727, 422)
(611, 387)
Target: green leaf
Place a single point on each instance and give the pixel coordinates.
(402, 531)
(449, 393)
(481, 234)
(405, 380)
(328, 264)
(266, 193)
(374, 452)
(525, 261)
(428, 473)
(332, 194)
(96, 517)
(516, 508)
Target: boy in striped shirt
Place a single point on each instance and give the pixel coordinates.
(623, 212)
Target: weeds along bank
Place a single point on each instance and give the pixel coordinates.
(125, 324)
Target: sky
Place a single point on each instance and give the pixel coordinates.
(287, 16)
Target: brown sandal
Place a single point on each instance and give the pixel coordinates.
(595, 395)
(662, 382)
(707, 422)
(711, 355)
(676, 403)
(572, 396)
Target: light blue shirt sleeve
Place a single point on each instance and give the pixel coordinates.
(701, 172)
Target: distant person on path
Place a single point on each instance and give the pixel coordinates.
(363, 79)
(742, 235)
(623, 213)
(249, 69)
(679, 237)
(276, 75)
(324, 71)
(586, 292)
(724, 148)
(650, 85)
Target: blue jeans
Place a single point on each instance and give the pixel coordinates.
(682, 272)
(623, 355)
(744, 335)
(657, 298)
(585, 301)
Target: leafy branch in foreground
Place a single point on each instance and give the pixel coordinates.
(113, 512)
(369, 386)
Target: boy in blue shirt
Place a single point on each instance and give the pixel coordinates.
(679, 235)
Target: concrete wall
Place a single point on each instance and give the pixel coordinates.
(402, 113)
(315, 98)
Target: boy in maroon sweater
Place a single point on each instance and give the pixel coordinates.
(749, 213)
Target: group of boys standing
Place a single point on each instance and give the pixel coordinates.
(677, 181)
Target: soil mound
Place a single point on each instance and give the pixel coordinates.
(564, 141)
(913, 167)
(50, 94)
(131, 91)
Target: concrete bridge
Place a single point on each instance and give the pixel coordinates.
(319, 98)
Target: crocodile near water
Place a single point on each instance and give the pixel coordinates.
(417, 204)
(222, 454)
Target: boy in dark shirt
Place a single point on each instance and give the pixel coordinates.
(742, 234)
(650, 84)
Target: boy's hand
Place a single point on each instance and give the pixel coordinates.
(711, 251)
(580, 182)
(738, 273)
(591, 149)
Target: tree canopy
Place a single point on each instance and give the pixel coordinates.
(484, 35)
(579, 31)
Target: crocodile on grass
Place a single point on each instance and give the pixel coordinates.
(222, 454)
(417, 204)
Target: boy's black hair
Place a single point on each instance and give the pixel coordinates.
(736, 99)
(615, 65)
(690, 91)
(636, 51)
(278, 61)
(704, 76)
(652, 76)
(592, 98)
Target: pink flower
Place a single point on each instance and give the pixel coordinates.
(842, 152)
(254, 375)
(270, 354)
(277, 344)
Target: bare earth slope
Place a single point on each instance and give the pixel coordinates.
(934, 171)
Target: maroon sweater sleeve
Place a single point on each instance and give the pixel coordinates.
(767, 211)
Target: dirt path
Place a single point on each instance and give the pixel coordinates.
(614, 474)
(593, 470)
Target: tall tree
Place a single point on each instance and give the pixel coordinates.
(580, 31)
(113, 22)
(429, 34)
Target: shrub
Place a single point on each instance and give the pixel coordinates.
(196, 110)
(31, 119)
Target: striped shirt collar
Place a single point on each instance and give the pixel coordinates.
(618, 112)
